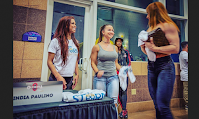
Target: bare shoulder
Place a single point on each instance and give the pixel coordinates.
(116, 48)
(95, 48)
(168, 27)
(171, 33)
(149, 29)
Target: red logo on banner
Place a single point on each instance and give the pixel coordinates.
(34, 86)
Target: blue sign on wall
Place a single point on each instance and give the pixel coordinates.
(31, 36)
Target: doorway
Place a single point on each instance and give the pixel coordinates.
(82, 13)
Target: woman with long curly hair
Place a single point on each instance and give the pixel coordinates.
(63, 53)
(161, 73)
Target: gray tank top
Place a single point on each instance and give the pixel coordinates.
(106, 61)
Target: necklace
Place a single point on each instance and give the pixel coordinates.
(106, 42)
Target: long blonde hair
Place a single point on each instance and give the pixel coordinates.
(158, 14)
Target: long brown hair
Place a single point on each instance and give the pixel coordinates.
(158, 14)
(61, 34)
(100, 32)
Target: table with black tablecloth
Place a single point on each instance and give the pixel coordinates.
(95, 109)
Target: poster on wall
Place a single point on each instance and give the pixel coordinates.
(31, 36)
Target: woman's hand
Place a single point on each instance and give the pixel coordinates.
(171, 33)
(75, 81)
(150, 45)
(60, 78)
(143, 49)
(53, 70)
(100, 73)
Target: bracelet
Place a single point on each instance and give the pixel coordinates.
(96, 73)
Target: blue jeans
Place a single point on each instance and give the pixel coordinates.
(161, 78)
(123, 96)
(108, 84)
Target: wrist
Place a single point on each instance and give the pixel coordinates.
(156, 49)
(143, 45)
(57, 76)
(96, 73)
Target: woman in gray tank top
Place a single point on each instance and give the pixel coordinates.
(104, 63)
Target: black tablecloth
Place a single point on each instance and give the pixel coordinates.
(96, 109)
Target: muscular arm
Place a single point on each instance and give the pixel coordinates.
(171, 34)
(75, 79)
(51, 66)
(53, 70)
(76, 69)
(118, 67)
(143, 49)
(93, 57)
(76, 66)
(128, 58)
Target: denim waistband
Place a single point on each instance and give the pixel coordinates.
(106, 77)
(161, 60)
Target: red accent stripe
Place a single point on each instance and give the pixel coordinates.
(119, 101)
(129, 58)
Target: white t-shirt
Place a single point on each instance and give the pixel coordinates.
(183, 59)
(68, 69)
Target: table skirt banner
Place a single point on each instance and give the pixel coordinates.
(80, 110)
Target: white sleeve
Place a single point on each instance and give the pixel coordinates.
(53, 46)
(185, 57)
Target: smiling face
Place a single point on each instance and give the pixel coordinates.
(72, 27)
(119, 43)
(108, 32)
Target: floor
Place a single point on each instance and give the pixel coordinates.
(178, 113)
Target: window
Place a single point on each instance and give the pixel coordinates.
(127, 25)
(61, 10)
(175, 7)
(134, 3)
